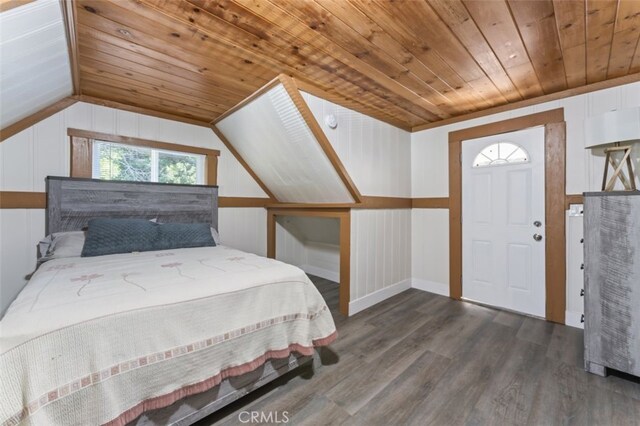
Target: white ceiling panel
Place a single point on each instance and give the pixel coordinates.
(273, 138)
(34, 60)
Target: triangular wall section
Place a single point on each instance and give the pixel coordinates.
(275, 135)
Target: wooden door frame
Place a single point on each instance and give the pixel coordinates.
(555, 183)
(344, 215)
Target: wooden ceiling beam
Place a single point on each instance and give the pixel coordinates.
(71, 30)
(244, 164)
(35, 118)
(291, 87)
(635, 64)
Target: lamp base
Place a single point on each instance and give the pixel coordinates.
(629, 181)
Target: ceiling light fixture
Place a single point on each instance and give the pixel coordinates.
(331, 121)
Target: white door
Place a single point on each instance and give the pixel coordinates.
(503, 221)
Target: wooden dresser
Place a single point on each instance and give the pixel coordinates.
(612, 282)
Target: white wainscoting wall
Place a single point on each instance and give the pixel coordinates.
(244, 229)
(43, 150)
(290, 244)
(429, 170)
(380, 256)
(378, 159)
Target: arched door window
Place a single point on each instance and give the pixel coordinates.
(501, 153)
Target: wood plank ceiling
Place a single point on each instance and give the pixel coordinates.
(405, 62)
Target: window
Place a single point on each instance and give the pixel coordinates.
(114, 161)
(501, 153)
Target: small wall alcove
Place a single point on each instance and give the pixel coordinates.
(313, 244)
(317, 234)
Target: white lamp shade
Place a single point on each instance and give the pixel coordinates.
(613, 126)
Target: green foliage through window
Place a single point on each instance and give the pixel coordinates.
(112, 161)
(177, 169)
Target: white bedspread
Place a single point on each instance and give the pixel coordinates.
(98, 340)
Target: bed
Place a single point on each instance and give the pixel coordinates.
(157, 337)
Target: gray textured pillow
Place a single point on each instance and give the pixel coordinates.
(111, 236)
(183, 235)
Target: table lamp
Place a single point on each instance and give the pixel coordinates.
(616, 131)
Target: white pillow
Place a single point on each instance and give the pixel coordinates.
(216, 236)
(60, 245)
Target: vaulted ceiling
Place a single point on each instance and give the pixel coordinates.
(405, 62)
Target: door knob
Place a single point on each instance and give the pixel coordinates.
(537, 237)
(537, 224)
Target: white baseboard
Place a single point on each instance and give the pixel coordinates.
(430, 286)
(363, 303)
(321, 272)
(572, 319)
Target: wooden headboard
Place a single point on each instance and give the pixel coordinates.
(71, 202)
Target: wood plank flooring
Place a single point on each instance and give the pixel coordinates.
(424, 359)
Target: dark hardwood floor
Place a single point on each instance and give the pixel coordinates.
(423, 359)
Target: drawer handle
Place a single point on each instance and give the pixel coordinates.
(582, 292)
(582, 266)
(582, 318)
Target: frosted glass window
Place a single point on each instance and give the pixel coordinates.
(271, 135)
(501, 153)
(113, 161)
